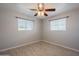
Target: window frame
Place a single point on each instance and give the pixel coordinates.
(25, 27)
(59, 26)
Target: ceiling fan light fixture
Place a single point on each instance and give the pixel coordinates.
(41, 10)
(40, 6)
(40, 13)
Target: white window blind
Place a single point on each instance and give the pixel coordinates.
(59, 24)
(25, 24)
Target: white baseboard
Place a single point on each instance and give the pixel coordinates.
(66, 47)
(19, 45)
(76, 50)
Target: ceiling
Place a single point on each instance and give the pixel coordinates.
(25, 8)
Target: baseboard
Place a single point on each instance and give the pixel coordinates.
(76, 50)
(66, 47)
(20, 45)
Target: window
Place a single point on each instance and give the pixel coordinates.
(59, 24)
(25, 24)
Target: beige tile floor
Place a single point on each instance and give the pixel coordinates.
(41, 49)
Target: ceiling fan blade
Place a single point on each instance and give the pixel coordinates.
(45, 14)
(52, 9)
(33, 9)
(36, 14)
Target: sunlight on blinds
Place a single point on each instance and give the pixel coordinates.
(59, 24)
(25, 24)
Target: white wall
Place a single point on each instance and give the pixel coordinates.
(10, 36)
(70, 37)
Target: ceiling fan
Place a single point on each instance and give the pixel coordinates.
(41, 11)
